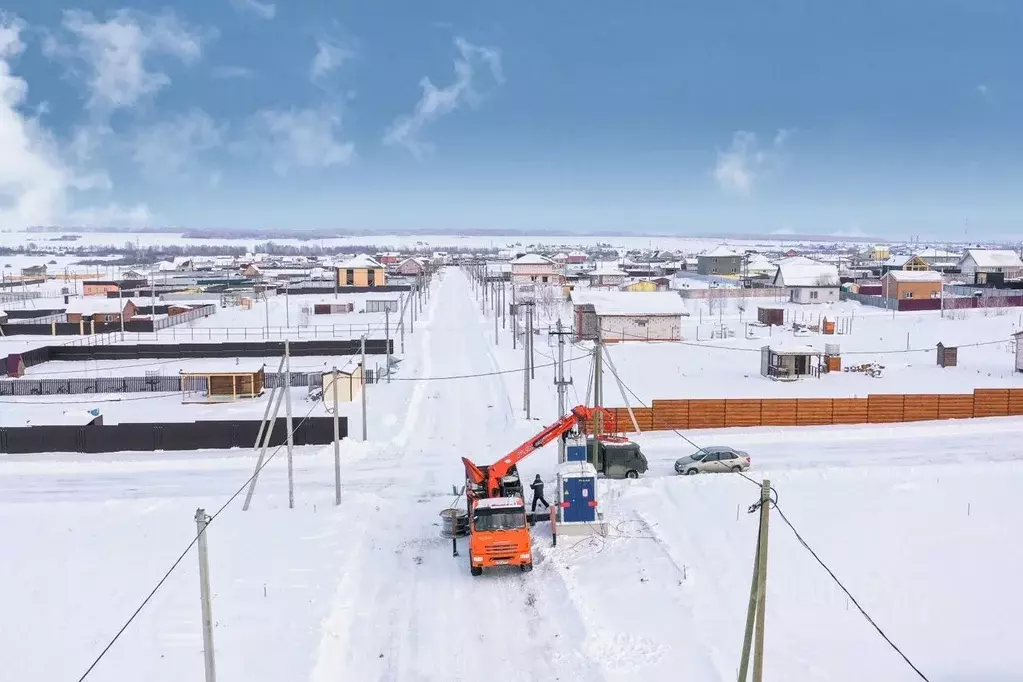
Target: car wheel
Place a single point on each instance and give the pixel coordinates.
(736, 469)
(632, 473)
(691, 472)
(476, 570)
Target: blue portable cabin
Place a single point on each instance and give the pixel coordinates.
(577, 493)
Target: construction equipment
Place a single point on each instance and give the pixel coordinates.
(498, 531)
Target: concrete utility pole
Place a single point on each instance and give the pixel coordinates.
(264, 438)
(152, 302)
(504, 302)
(598, 397)
(497, 313)
(204, 594)
(559, 381)
(291, 427)
(532, 341)
(757, 610)
(337, 444)
(363, 387)
(287, 307)
(387, 340)
(525, 375)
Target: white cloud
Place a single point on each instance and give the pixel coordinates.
(740, 166)
(330, 56)
(436, 102)
(298, 138)
(225, 72)
(113, 55)
(35, 178)
(171, 147)
(263, 10)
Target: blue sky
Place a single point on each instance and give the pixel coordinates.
(880, 117)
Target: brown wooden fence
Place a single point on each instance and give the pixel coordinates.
(874, 409)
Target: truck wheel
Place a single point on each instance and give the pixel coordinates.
(475, 570)
(631, 473)
(525, 568)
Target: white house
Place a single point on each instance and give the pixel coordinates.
(977, 265)
(808, 281)
(628, 316)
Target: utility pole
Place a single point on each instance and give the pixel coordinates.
(757, 610)
(204, 594)
(287, 307)
(120, 303)
(291, 428)
(525, 376)
(387, 342)
(337, 445)
(559, 381)
(598, 397)
(504, 302)
(363, 373)
(493, 298)
(152, 302)
(532, 356)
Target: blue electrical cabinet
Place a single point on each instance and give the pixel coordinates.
(575, 453)
(577, 492)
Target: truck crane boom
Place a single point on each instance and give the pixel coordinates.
(493, 474)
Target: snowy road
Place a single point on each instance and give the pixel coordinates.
(920, 520)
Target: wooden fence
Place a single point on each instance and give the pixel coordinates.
(712, 413)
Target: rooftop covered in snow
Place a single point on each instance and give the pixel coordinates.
(627, 303)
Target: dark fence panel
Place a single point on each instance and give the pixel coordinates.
(297, 291)
(166, 436)
(154, 384)
(29, 314)
(236, 349)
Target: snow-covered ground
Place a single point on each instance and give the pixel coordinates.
(916, 520)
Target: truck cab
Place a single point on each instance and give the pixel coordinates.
(498, 534)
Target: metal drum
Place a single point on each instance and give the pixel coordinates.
(454, 523)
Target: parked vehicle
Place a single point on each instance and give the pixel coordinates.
(713, 459)
(618, 459)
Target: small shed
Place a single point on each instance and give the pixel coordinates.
(380, 305)
(332, 308)
(789, 363)
(771, 316)
(212, 387)
(948, 356)
(349, 385)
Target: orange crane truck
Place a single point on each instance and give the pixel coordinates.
(498, 531)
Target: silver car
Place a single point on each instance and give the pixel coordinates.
(713, 459)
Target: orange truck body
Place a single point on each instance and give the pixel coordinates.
(491, 547)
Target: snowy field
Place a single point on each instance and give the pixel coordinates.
(914, 519)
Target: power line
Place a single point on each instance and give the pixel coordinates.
(185, 552)
(804, 544)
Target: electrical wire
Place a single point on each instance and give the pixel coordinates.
(185, 552)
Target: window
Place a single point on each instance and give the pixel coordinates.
(371, 277)
(907, 294)
(712, 457)
(491, 519)
(350, 277)
(544, 279)
(640, 323)
(813, 294)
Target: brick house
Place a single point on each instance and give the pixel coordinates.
(903, 284)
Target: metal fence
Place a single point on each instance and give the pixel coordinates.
(335, 331)
(144, 384)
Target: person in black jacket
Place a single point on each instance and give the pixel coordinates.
(537, 486)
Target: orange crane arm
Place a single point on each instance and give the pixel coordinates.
(499, 469)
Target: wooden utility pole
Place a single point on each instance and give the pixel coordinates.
(337, 445)
(204, 594)
(291, 426)
(757, 609)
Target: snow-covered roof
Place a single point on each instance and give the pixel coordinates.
(95, 304)
(628, 303)
(607, 271)
(794, 349)
(720, 252)
(361, 261)
(165, 265)
(994, 258)
(500, 503)
(803, 272)
(897, 260)
(915, 275)
(532, 259)
(938, 254)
